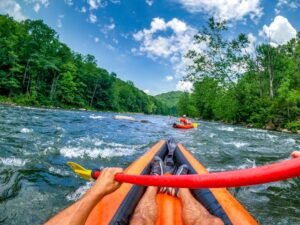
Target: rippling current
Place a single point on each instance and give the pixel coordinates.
(35, 145)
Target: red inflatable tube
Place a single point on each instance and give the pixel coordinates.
(246, 177)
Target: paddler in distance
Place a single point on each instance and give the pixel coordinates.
(183, 120)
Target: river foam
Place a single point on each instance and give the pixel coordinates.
(237, 144)
(223, 128)
(79, 192)
(26, 130)
(12, 161)
(93, 116)
(80, 152)
(58, 171)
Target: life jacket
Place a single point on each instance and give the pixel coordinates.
(183, 120)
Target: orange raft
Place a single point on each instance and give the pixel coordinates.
(118, 207)
(183, 126)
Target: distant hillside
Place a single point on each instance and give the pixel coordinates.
(170, 99)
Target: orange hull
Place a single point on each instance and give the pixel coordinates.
(116, 208)
(182, 126)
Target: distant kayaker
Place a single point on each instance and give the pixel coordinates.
(146, 212)
(183, 120)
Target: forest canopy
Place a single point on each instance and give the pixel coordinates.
(37, 69)
(231, 84)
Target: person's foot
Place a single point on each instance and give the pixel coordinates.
(157, 166)
(182, 170)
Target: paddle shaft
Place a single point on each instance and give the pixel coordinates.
(264, 174)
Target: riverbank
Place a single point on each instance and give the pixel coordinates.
(247, 125)
(89, 109)
(9, 102)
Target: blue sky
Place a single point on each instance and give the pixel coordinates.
(145, 40)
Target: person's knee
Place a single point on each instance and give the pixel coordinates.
(140, 220)
(215, 221)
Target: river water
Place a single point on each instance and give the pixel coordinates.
(35, 145)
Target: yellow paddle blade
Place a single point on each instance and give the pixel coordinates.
(75, 166)
(195, 125)
(85, 174)
(80, 170)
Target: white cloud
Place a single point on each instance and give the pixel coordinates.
(36, 7)
(107, 28)
(115, 1)
(167, 40)
(184, 86)
(147, 91)
(11, 8)
(94, 4)
(115, 41)
(83, 9)
(93, 18)
(177, 26)
(292, 4)
(96, 39)
(69, 2)
(149, 2)
(37, 4)
(279, 32)
(44, 3)
(250, 49)
(169, 78)
(59, 21)
(224, 9)
(170, 44)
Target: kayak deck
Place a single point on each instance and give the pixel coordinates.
(118, 207)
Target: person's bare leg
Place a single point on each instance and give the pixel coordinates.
(193, 213)
(146, 211)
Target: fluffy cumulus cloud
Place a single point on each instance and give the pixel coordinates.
(149, 2)
(250, 49)
(92, 18)
(186, 86)
(38, 4)
(94, 4)
(59, 21)
(69, 2)
(83, 9)
(108, 27)
(169, 41)
(96, 39)
(11, 8)
(36, 7)
(224, 9)
(279, 32)
(147, 91)
(292, 4)
(169, 78)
